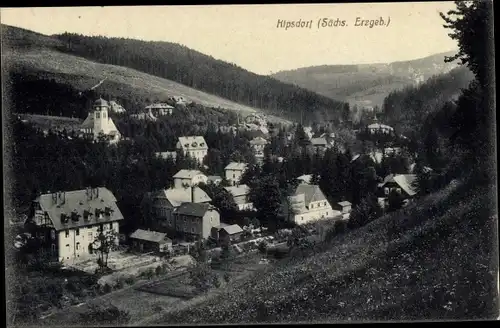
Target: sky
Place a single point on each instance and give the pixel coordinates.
(249, 36)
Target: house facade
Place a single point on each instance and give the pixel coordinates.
(160, 109)
(234, 171)
(240, 195)
(380, 128)
(196, 220)
(309, 204)
(258, 144)
(401, 183)
(98, 123)
(158, 206)
(193, 146)
(189, 178)
(319, 144)
(69, 222)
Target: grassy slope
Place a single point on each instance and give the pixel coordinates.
(82, 74)
(435, 260)
(367, 83)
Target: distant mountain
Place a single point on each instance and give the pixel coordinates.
(158, 69)
(366, 84)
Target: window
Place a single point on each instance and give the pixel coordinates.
(192, 230)
(386, 191)
(104, 115)
(312, 205)
(53, 247)
(111, 225)
(67, 233)
(398, 190)
(234, 175)
(324, 203)
(77, 232)
(90, 235)
(77, 246)
(326, 213)
(97, 115)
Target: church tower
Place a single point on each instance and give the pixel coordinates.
(101, 120)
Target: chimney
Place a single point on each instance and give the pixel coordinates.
(54, 198)
(62, 197)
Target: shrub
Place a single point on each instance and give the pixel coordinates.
(263, 247)
(106, 288)
(130, 280)
(158, 270)
(119, 283)
(227, 276)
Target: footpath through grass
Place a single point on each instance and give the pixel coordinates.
(435, 259)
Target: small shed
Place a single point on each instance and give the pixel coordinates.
(152, 241)
(345, 207)
(226, 233)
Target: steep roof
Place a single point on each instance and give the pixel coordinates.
(187, 174)
(193, 209)
(240, 190)
(152, 236)
(312, 193)
(232, 229)
(177, 196)
(89, 122)
(80, 201)
(214, 177)
(404, 181)
(236, 166)
(197, 142)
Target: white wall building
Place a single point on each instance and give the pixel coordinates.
(309, 204)
(193, 146)
(189, 178)
(98, 123)
(234, 171)
(69, 222)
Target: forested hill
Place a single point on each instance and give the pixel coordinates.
(186, 66)
(366, 84)
(407, 109)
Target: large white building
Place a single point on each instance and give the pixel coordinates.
(189, 178)
(309, 204)
(193, 146)
(160, 109)
(68, 222)
(234, 171)
(99, 123)
(258, 145)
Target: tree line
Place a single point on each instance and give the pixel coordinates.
(202, 72)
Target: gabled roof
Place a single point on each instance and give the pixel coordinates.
(187, 174)
(193, 209)
(344, 203)
(232, 229)
(80, 201)
(152, 236)
(197, 142)
(214, 177)
(89, 122)
(177, 196)
(236, 166)
(240, 190)
(312, 193)
(404, 181)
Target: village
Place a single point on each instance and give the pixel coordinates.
(83, 230)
